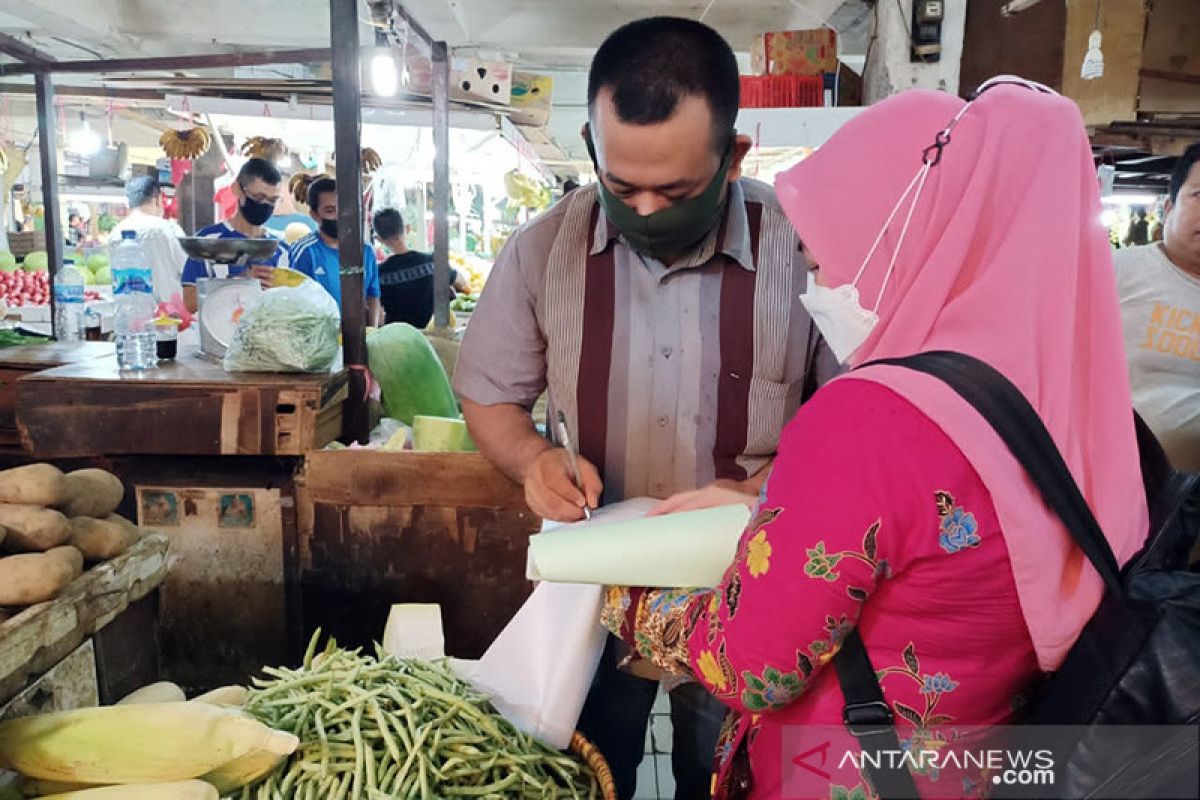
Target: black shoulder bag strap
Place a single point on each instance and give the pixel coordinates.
(867, 715)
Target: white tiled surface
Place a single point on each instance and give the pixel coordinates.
(655, 780)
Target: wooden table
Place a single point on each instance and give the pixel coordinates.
(18, 362)
(190, 406)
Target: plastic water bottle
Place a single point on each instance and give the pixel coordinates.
(133, 304)
(68, 303)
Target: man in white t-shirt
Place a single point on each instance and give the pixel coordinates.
(1160, 305)
(159, 236)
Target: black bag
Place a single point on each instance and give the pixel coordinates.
(1137, 661)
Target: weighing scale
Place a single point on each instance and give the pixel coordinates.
(222, 299)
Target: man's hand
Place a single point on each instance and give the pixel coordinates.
(550, 488)
(264, 274)
(716, 494)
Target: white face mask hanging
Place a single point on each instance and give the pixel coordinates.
(838, 312)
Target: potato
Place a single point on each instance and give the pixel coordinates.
(117, 519)
(37, 577)
(34, 485)
(100, 540)
(33, 528)
(93, 493)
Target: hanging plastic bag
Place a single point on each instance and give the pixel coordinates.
(289, 329)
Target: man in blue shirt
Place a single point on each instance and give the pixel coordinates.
(316, 255)
(257, 190)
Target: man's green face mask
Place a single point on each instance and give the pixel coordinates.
(671, 230)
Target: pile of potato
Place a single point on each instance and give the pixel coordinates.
(51, 524)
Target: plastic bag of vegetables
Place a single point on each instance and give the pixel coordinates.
(289, 329)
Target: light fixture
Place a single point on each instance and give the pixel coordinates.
(385, 72)
(85, 141)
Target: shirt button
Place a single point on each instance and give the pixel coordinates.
(667, 351)
(663, 421)
(660, 489)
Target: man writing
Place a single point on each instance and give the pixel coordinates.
(317, 254)
(406, 277)
(1159, 286)
(660, 310)
(257, 191)
(159, 237)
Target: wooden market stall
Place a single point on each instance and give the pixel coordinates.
(208, 458)
(271, 536)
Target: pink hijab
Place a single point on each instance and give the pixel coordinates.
(1006, 260)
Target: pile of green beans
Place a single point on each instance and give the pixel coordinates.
(379, 727)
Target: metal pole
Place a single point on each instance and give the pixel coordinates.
(441, 185)
(347, 124)
(48, 155)
(172, 63)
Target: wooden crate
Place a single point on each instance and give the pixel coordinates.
(187, 408)
(378, 528)
(229, 603)
(42, 635)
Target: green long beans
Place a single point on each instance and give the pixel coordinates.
(381, 728)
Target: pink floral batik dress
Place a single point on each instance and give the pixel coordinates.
(871, 518)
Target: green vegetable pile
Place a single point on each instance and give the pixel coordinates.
(288, 329)
(464, 303)
(381, 727)
(10, 338)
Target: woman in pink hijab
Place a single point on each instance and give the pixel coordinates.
(893, 507)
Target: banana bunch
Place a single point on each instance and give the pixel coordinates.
(186, 145)
(298, 187)
(525, 192)
(370, 159)
(15, 160)
(262, 147)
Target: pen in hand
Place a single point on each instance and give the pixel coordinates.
(565, 438)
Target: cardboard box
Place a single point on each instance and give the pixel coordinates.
(808, 52)
(531, 98)
(489, 81)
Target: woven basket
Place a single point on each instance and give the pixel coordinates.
(595, 761)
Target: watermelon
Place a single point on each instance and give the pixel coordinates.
(37, 261)
(441, 435)
(409, 373)
(8, 262)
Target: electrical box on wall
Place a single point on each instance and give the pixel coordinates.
(927, 18)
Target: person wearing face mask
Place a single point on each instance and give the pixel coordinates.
(317, 256)
(157, 235)
(257, 190)
(659, 309)
(916, 532)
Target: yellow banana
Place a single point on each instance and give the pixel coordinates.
(134, 743)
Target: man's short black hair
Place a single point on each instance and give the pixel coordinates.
(261, 169)
(651, 64)
(388, 224)
(141, 190)
(1183, 168)
(322, 185)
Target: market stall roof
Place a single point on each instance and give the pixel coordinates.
(557, 36)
